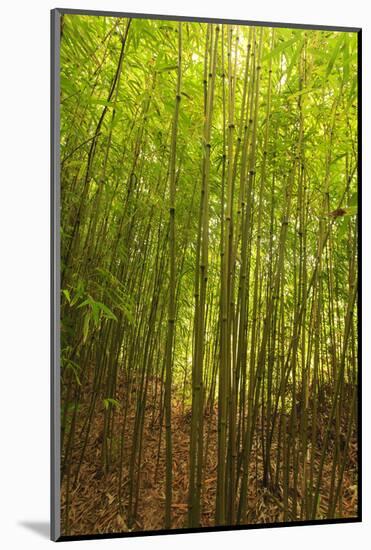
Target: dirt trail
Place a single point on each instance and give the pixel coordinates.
(94, 504)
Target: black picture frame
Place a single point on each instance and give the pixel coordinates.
(55, 510)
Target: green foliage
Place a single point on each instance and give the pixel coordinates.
(110, 402)
(208, 252)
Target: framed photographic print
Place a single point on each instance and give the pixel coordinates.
(205, 274)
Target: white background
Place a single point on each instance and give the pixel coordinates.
(24, 271)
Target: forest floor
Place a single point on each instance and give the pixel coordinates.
(94, 504)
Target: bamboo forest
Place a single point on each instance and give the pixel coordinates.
(209, 332)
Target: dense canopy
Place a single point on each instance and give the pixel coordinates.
(208, 274)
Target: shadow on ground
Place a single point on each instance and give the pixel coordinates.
(41, 528)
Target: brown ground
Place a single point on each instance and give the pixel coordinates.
(94, 501)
